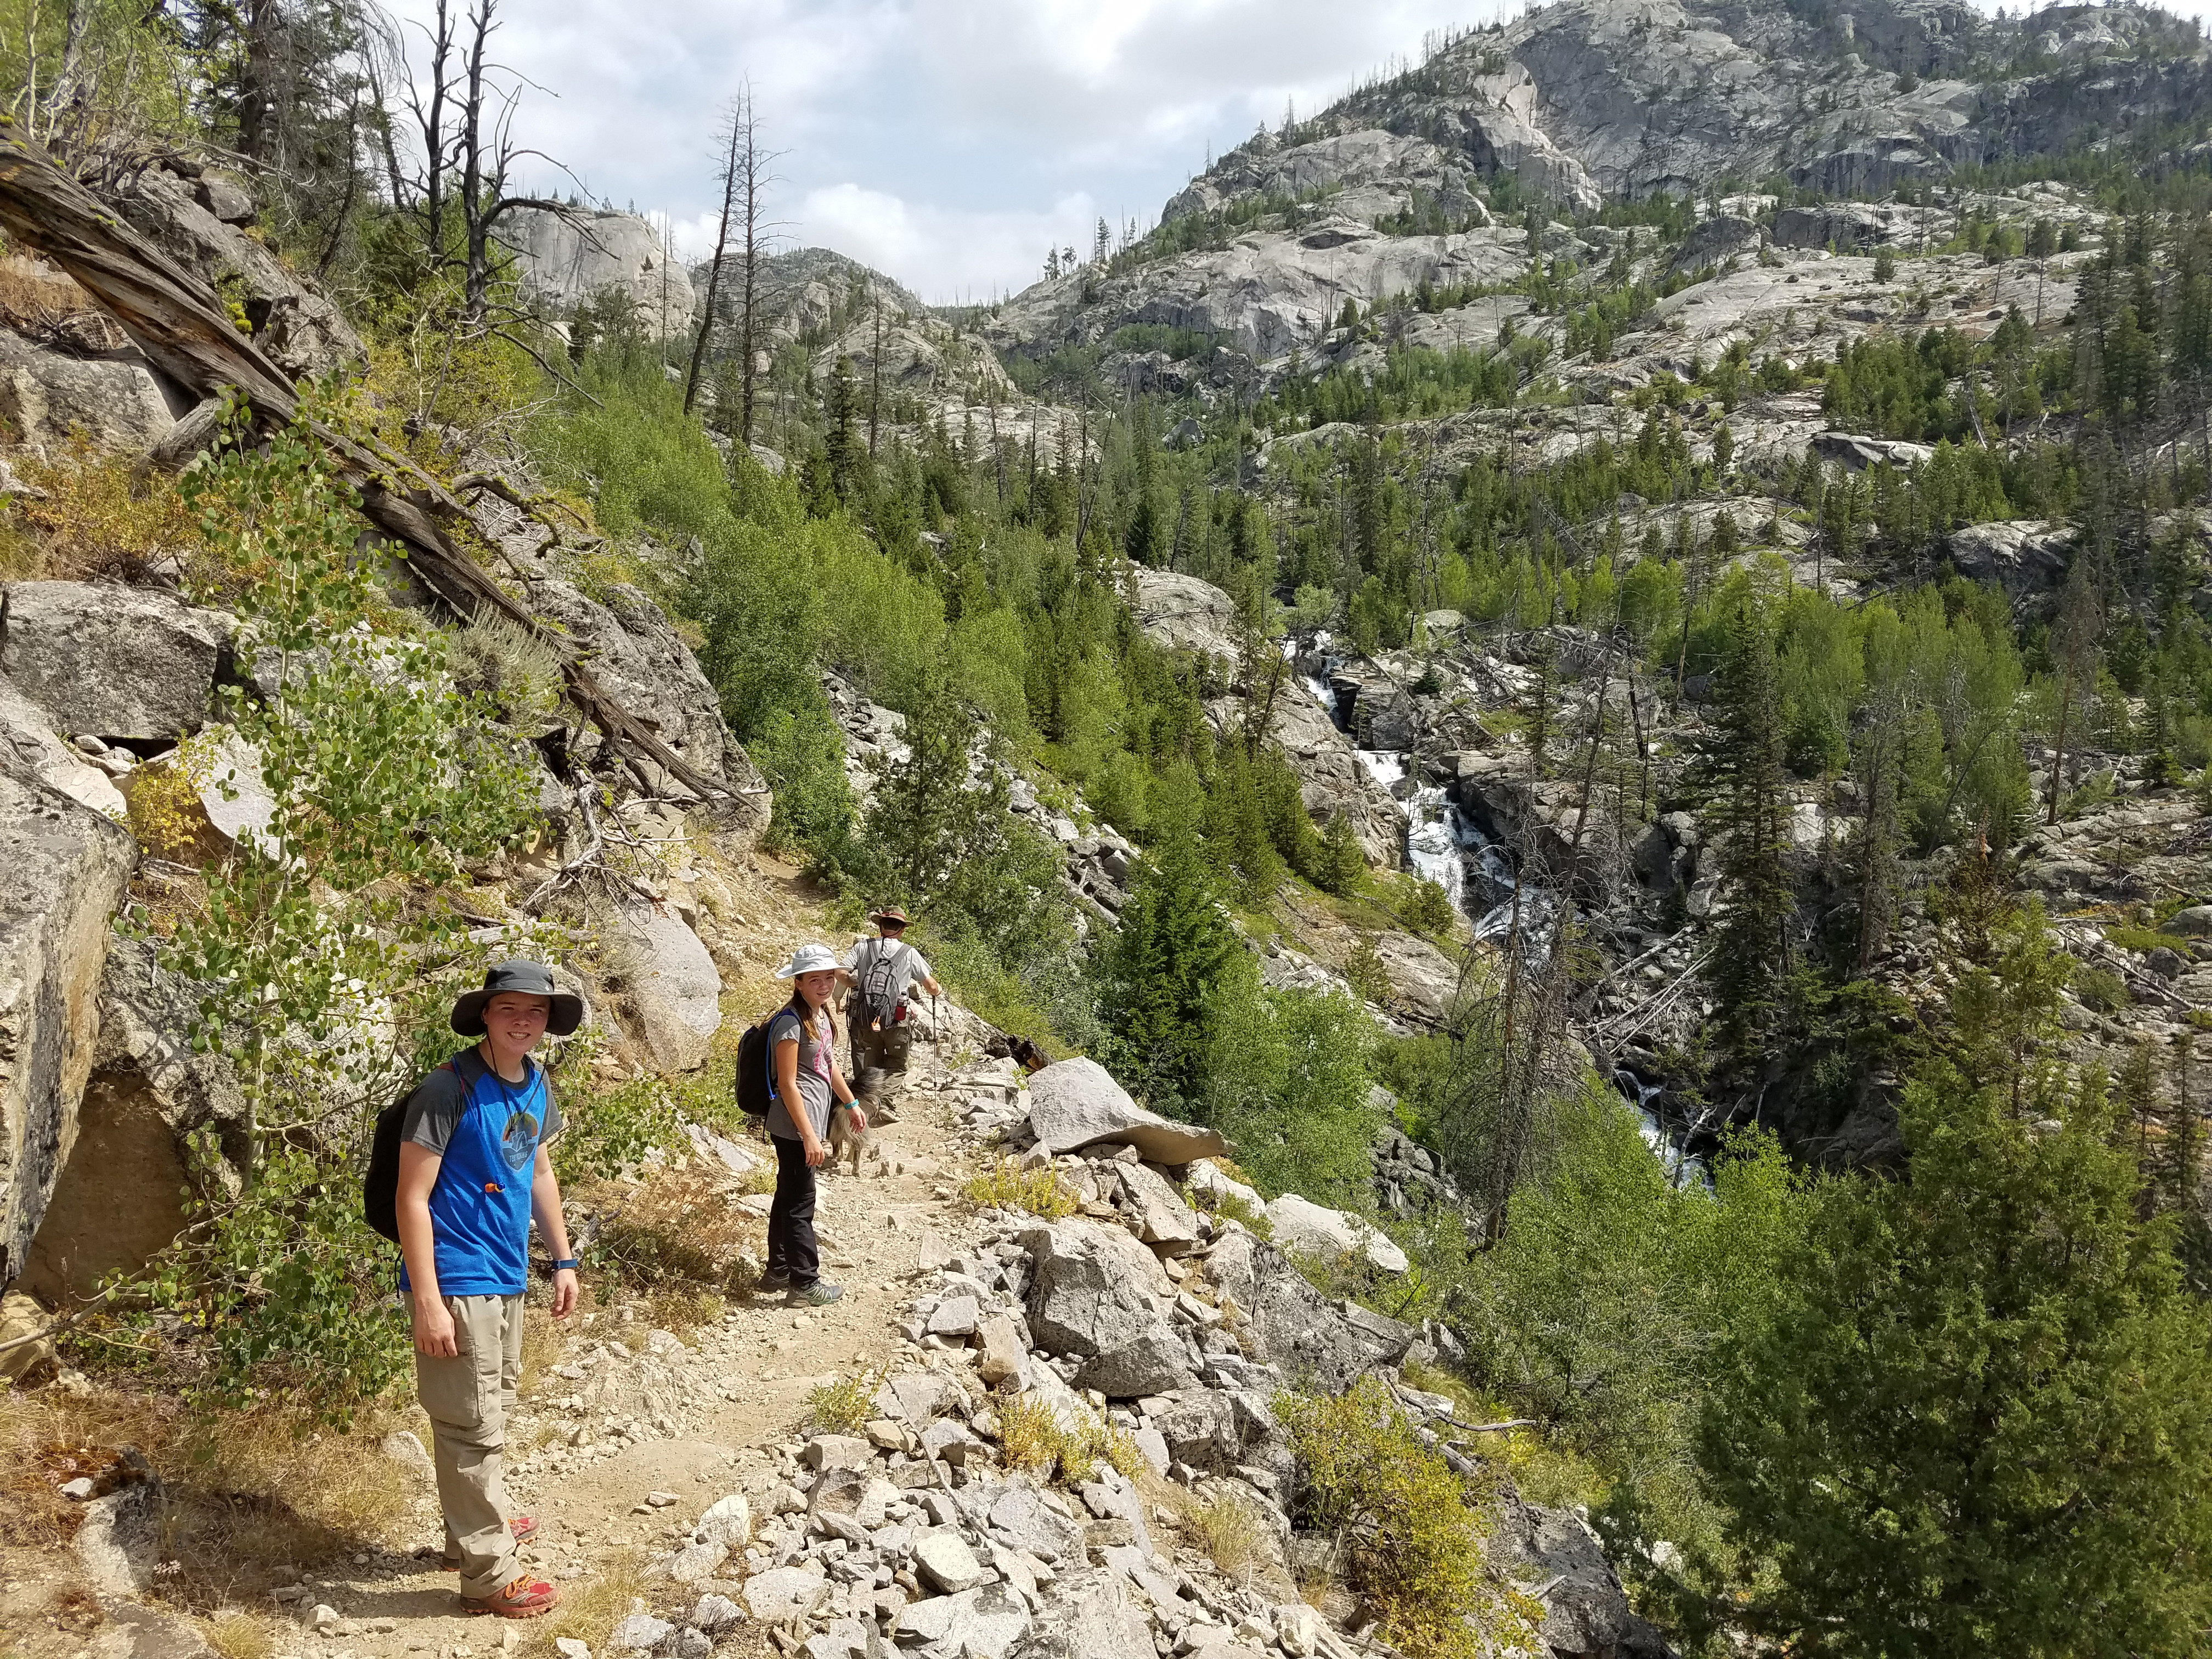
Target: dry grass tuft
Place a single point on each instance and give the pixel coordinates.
(1007, 1186)
(236, 1635)
(589, 1609)
(678, 1228)
(243, 1492)
(1230, 1531)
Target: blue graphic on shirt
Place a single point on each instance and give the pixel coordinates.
(519, 1145)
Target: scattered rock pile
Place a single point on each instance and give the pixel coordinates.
(1142, 1324)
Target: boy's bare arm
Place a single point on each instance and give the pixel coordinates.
(433, 1325)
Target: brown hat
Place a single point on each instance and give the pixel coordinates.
(889, 913)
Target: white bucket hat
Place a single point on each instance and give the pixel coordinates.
(809, 959)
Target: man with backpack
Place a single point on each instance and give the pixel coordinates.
(881, 970)
(473, 1173)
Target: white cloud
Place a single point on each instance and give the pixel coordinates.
(948, 142)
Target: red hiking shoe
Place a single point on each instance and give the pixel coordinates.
(526, 1598)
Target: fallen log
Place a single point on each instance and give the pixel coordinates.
(183, 327)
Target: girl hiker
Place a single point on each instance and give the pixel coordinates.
(799, 1038)
(473, 1173)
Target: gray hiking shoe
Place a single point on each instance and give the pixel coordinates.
(819, 1294)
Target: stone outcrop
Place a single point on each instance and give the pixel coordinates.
(113, 400)
(1186, 613)
(2024, 557)
(1315, 1230)
(64, 875)
(1585, 1610)
(293, 323)
(1098, 1295)
(1299, 1331)
(1075, 1103)
(645, 665)
(567, 258)
(119, 1198)
(672, 985)
(1332, 783)
(28, 734)
(122, 664)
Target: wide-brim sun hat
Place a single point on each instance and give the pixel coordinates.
(810, 959)
(563, 1016)
(889, 913)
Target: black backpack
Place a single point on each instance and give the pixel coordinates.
(380, 1187)
(755, 1079)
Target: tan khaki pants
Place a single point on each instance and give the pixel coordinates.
(468, 1398)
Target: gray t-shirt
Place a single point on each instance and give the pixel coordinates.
(906, 965)
(814, 1061)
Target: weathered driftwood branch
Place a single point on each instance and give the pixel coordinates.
(182, 327)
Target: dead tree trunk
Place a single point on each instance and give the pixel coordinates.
(178, 323)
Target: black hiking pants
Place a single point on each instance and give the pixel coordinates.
(791, 1252)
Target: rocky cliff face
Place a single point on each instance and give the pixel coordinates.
(567, 258)
(1589, 99)
(1630, 98)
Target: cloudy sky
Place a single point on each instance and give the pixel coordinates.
(948, 143)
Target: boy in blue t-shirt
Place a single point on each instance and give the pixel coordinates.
(473, 1173)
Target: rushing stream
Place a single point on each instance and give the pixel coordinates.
(1444, 845)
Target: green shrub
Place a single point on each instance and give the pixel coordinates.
(1007, 1186)
(1410, 1531)
(2106, 993)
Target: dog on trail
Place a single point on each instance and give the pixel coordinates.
(850, 1143)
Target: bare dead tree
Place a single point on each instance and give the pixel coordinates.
(465, 116)
(753, 167)
(733, 124)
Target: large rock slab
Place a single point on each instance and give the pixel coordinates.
(1162, 1219)
(295, 325)
(643, 664)
(673, 985)
(977, 1623)
(1313, 1340)
(1074, 1103)
(1313, 1229)
(119, 1198)
(1555, 1554)
(568, 258)
(1093, 1617)
(2024, 557)
(1021, 1520)
(118, 1540)
(1187, 614)
(48, 398)
(111, 662)
(783, 1594)
(1332, 782)
(66, 870)
(1098, 1294)
(27, 731)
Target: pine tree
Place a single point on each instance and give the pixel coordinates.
(1749, 968)
(845, 452)
(1174, 942)
(1980, 1420)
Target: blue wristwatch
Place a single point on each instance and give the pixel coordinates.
(570, 1264)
